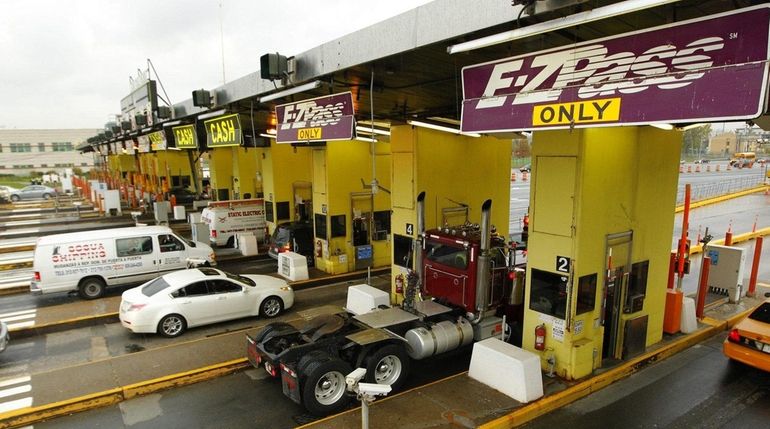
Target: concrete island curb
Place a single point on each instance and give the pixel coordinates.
(552, 402)
(31, 415)
(722, 198)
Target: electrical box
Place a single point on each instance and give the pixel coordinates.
(201, 98)
(273, 66)
(726, 271)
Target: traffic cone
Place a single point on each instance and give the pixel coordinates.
(697, 168)
(513, 176)
(681, 168)
(717, 167)
(524, 176)
(708, 169)
(729, 167)
(689, 168)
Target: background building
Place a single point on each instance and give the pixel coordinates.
(24, 151)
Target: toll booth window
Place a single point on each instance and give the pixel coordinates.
(548, 293)
(637, 284)
(402, 251)
(451, 256)
(282, 210)
(320, 226)
(586, 299)
(381, 225)
(133, 246)
(338, 226)
(269, 211)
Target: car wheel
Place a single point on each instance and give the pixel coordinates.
(324, 392)
(15, 198)
(172, 325)
(388, 365)
(46, 196)
(91, 288)
(271, 306)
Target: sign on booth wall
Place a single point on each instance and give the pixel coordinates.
(699, 70)
(317, 119)
(144, 144)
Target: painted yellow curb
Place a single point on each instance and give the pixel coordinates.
(740, 238)
(31, 415)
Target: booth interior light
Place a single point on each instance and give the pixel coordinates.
(365, 139)
(212, 114)
(371, 130)
(441, 128)
(662, 126)
(291, 91)
(597, 14)
(267, 136)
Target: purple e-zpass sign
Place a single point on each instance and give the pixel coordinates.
(317, 119)
(708, 69)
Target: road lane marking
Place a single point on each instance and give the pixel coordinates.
(16, 313)
(17, 380)
(15, 390)
(15, 405)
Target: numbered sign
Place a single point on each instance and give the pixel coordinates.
(562, 264)
(409, 229)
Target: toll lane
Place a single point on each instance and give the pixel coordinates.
(697, 388)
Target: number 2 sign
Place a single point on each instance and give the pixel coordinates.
(562, 264)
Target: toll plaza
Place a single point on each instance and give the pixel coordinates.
(348, 145)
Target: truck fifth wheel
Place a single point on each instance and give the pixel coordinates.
(468, 281)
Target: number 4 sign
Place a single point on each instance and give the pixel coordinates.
(562, 264)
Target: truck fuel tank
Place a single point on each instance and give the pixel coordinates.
(441, 337)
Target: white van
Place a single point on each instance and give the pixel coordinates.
(90, 261)
(227, 218)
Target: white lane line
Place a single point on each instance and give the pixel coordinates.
(21, 325)
(16, 313)
(17, 380)
(15, 405)
(19, 317)
(15, 390)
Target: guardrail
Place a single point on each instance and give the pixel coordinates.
(723, 187)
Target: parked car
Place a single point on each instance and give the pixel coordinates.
(33, 192)
(170, 304)
(5, 338)
(5, 192)
(293, 237)
(525, 168)
(749, 340)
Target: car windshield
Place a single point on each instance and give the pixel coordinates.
(154, 287)
(240, 278)
(761, 314)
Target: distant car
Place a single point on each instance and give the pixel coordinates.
(702, 161)
(5, 192)
(4, 336)
(183, 299)
(762, 160)
(33, 192)
(525, 168)
(293, 237)
(183, 195)
(749, 340)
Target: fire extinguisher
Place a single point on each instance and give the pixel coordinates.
(540, 337)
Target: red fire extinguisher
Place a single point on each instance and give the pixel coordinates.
(540, 337)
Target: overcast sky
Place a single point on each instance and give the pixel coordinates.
(66, 63)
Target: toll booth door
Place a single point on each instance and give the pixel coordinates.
(618, 262)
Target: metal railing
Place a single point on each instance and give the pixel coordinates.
(722, 187)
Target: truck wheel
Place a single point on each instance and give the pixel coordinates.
(91, 288)
(323, 392)
(388, 365)
(271, 306)
(172, 325)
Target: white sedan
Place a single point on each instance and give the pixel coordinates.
(183, 299)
